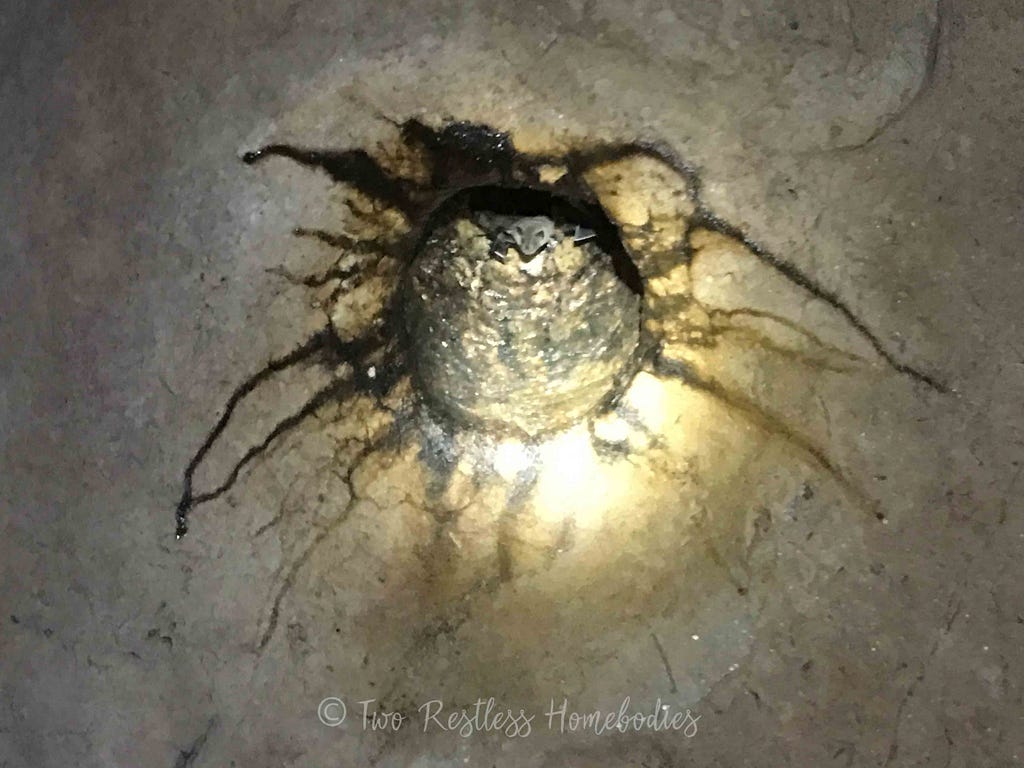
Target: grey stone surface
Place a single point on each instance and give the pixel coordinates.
(876, 145)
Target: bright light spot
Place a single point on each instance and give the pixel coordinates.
(572, 481)
(510, 459)
(646, 396)
(611, 429)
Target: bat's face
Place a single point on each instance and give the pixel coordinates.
(532, 234)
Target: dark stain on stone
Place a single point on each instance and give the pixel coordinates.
(187, 757)
(468, 162)
(353, 166)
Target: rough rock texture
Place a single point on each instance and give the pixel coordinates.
(817, 554)
(514, 350)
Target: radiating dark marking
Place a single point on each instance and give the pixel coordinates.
(767, 422)
(385, 439)
(352, 166)
(323, 396)
(475, 155)
(584, 160)
(673, 688)
(331, 352)
(795, 275)
(470, 162)
(303, 352)
(463, 154)
(580, 161)
(783, 321)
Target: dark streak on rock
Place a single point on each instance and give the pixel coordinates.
(795, 275)
(769, 423)
(524, 483)
(303, 352)
(187, 757)
(580, 161)
(288, 582)
(334, 272)
(673, 688)
(354, 166)
(816, 340)
(464, 155)
(718, 559)
(324, 346)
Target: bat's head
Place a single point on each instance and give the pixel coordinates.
(532, 235)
